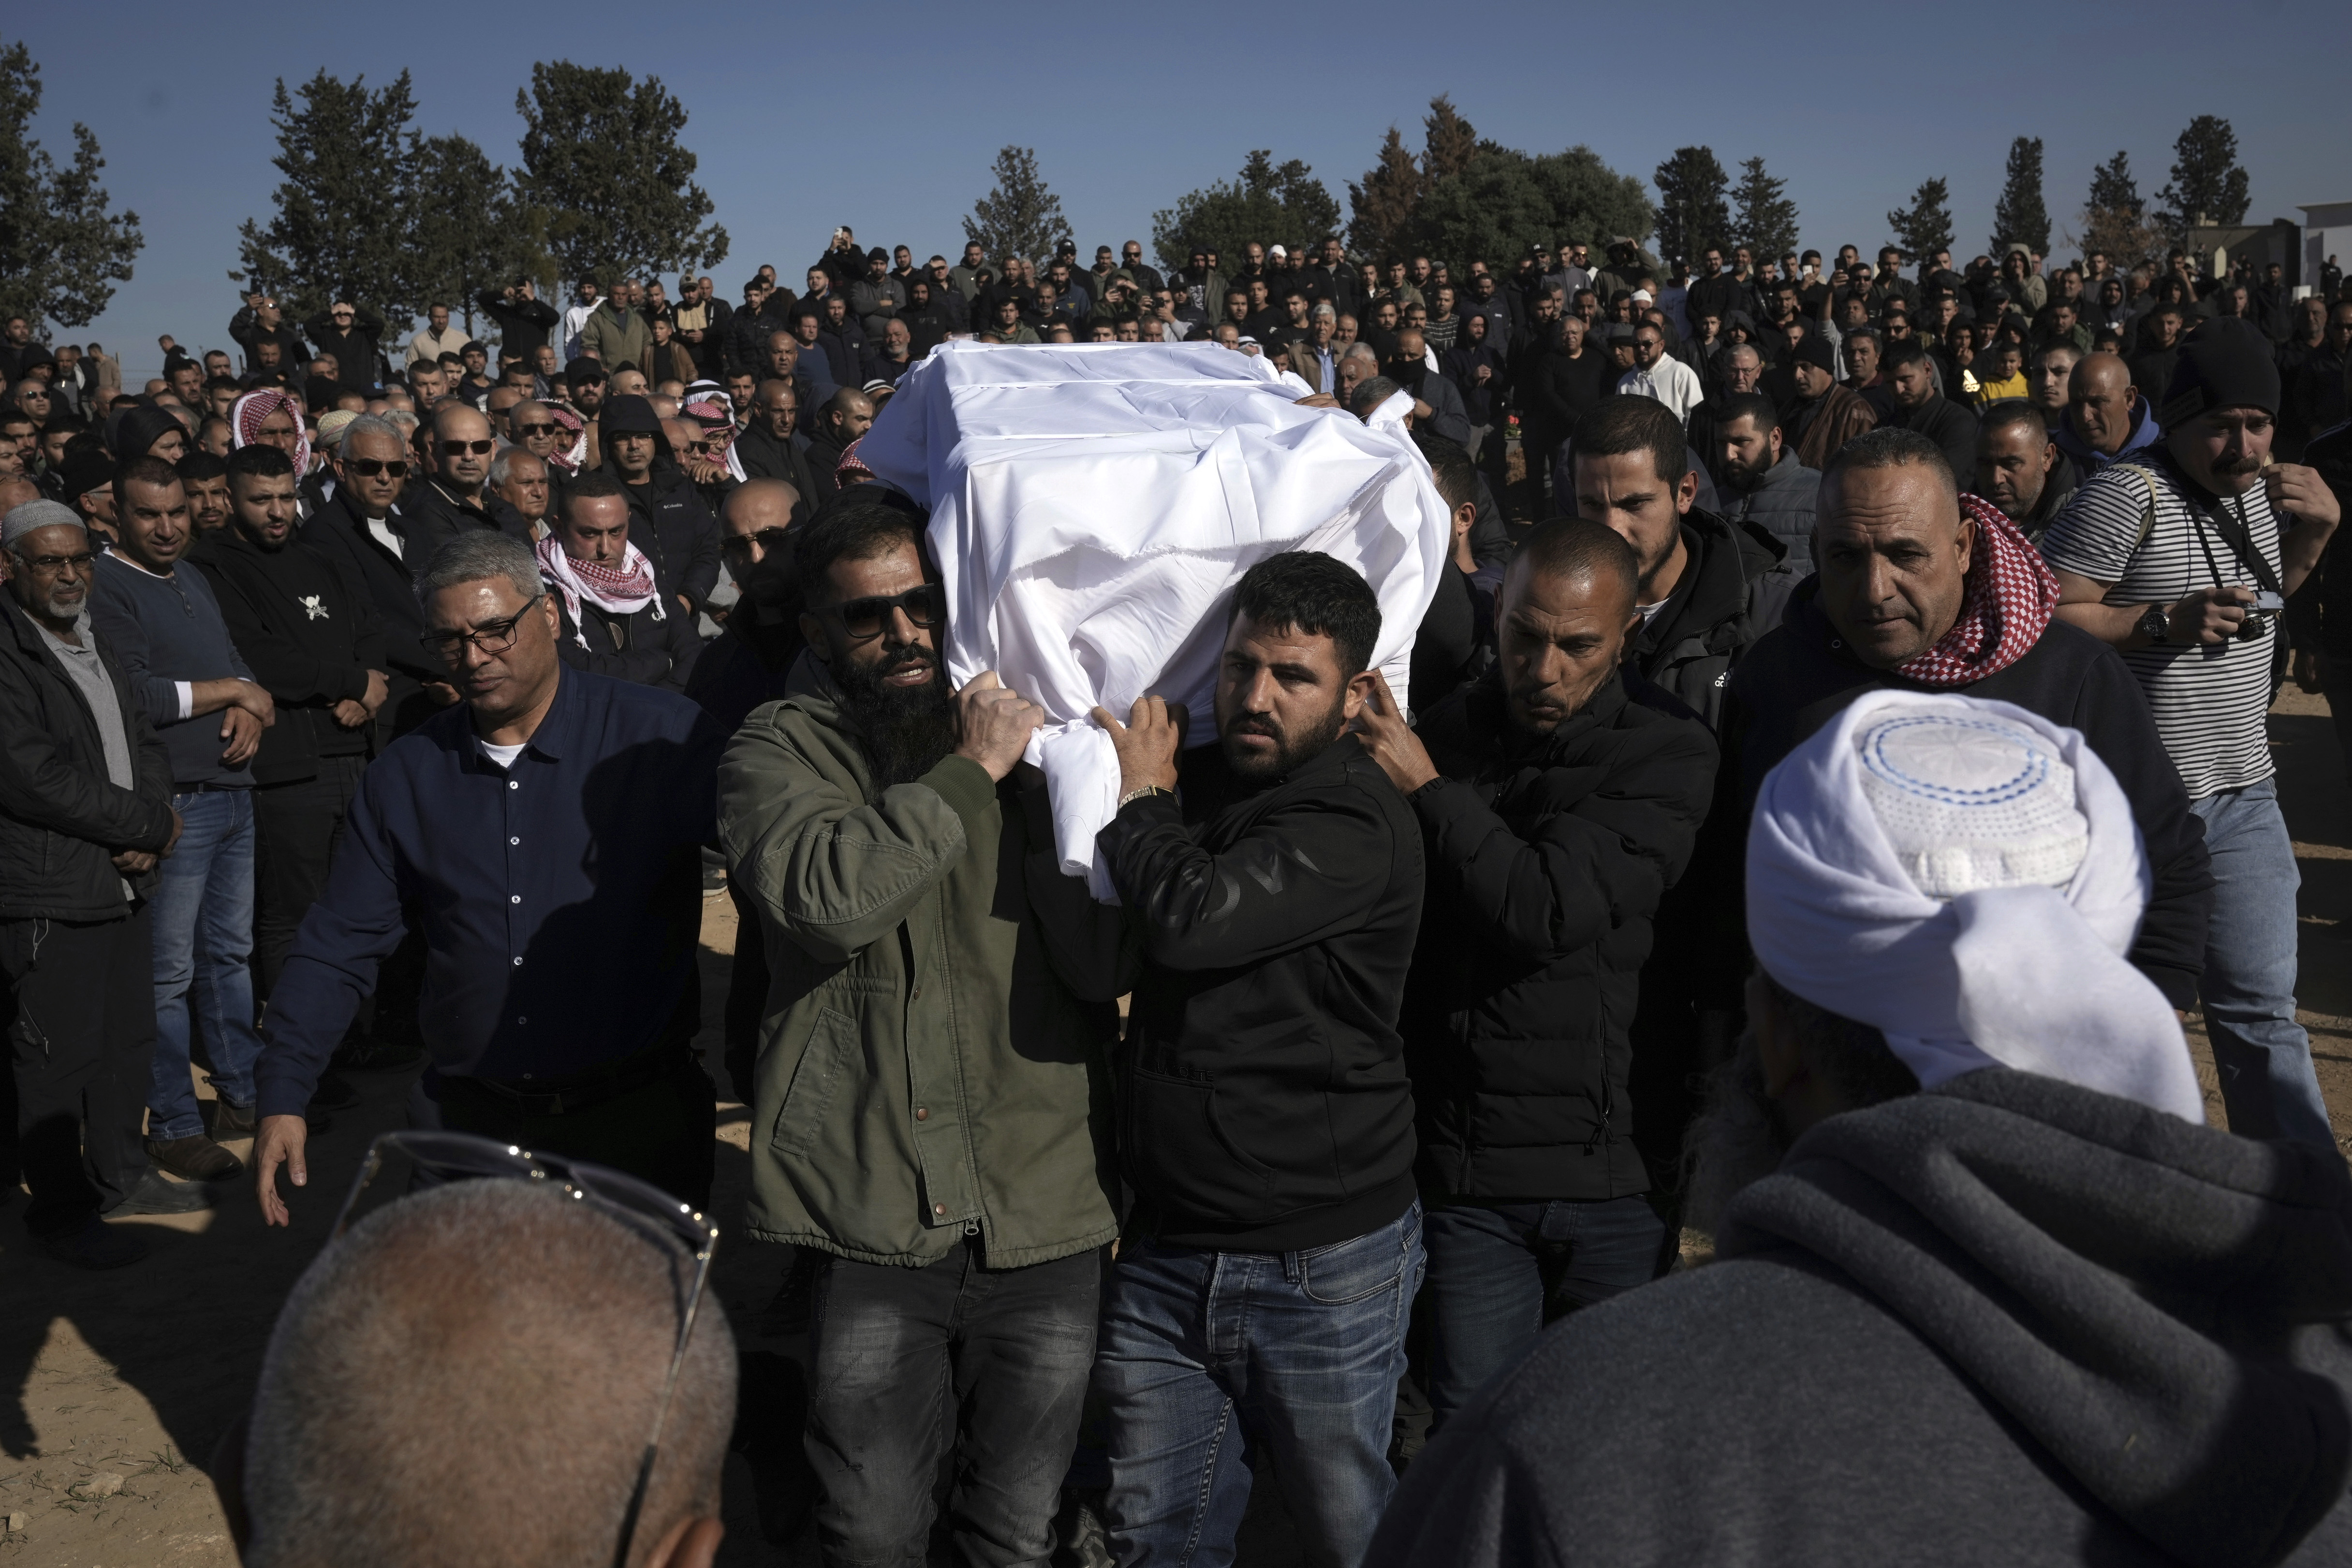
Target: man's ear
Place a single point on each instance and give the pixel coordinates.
(813, 633)
(1465, 516)
(1687, 491)
(1358, 693)
(1968, 540)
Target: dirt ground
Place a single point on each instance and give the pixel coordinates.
(118, 1386)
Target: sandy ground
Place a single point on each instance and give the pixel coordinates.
(121, 1385)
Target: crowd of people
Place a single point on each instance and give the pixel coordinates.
(1835, 769)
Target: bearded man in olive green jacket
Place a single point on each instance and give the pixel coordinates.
(932, 1109)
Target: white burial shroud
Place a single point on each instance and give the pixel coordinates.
(1093, 505)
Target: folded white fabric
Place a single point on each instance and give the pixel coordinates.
(1965, 876)
(1093, 505)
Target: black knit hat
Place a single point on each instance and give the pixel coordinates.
(2227, 365)
(628, 414)
(1814, 349)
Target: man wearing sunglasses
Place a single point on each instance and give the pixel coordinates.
(453, 496)
(545, 840)
(364, 525)
(930, 1089)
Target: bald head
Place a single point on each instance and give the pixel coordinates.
(846, 416)
(423, 1397)
(2099, 401)
(758, 504)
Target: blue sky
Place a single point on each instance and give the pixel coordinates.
(885, 118)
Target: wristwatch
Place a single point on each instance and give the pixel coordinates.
(2156, 624)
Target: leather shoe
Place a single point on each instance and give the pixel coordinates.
(158, 1194)
(94, 1244)
(195, 1158)
(334, 1093)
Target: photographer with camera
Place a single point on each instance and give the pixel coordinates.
(524, 320)
(2182, 559)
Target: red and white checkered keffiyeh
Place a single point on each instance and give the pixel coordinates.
(246, 415)
(623, 591)
(2006, 601)
(575, 429)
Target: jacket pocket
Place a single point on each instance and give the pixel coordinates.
(825, 1062)
(1183, 1156)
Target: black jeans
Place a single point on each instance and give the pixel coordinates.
(78, 1002)
(298, 828)
(906, 1362)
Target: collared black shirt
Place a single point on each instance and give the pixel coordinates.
(559, 900)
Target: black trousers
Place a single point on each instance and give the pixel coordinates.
(661, 1132)
(297, 827)
(78, 1002)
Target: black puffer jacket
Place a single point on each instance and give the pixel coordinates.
(62, 820)
(1548, 856)
(1732, 592)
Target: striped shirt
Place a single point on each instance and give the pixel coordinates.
(2210, 701)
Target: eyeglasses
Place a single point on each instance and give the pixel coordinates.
(490, 636)
(478, 448)
(766, 538)
(58, 563)
(527, 431)
(863, 619)
(369, 468)
(429, 1159)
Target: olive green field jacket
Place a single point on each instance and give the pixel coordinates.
(933, 1050)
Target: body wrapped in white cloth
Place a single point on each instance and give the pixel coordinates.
(1093, 505)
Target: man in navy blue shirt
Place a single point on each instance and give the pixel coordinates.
(546, 833)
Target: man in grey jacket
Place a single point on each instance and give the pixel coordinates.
(1763, 483)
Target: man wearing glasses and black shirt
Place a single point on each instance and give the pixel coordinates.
(363, 525)
(545, 837)
(453, 497)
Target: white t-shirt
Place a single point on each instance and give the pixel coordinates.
(504, 755)
(2211, 702)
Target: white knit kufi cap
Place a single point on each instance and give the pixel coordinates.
(1969, 803)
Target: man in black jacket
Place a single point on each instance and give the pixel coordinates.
(85, 812)
(1267, 1117)
(350, 335)
(524, 320)
(848, 414)
(453, 496)
(613, 621)
(668, 519)
(1900, 560)
(1918, 407)
(308, 629)
(364, 528)
(1556, 809)
(1708, 590)
(772, 446)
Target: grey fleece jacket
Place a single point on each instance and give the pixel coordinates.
(2009, 1321)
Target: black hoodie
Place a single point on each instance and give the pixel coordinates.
(2009, 1321)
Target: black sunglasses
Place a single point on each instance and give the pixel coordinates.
(369, 468)
(530, 430)
(863, 619)
(766, 538)
(480, 448)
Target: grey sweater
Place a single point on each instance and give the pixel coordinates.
(2009, 1321)
(164, 631)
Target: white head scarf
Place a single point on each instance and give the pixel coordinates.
(1965, 876)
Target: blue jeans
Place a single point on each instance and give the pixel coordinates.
(202, 918)
(1499, 1273)
(1206, 1355)
(2248, 990)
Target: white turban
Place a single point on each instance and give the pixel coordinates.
(1965, 876)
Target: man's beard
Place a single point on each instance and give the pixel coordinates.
(1740, 478)
(1290, 751)
(1737, 1140)
(907, 729)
